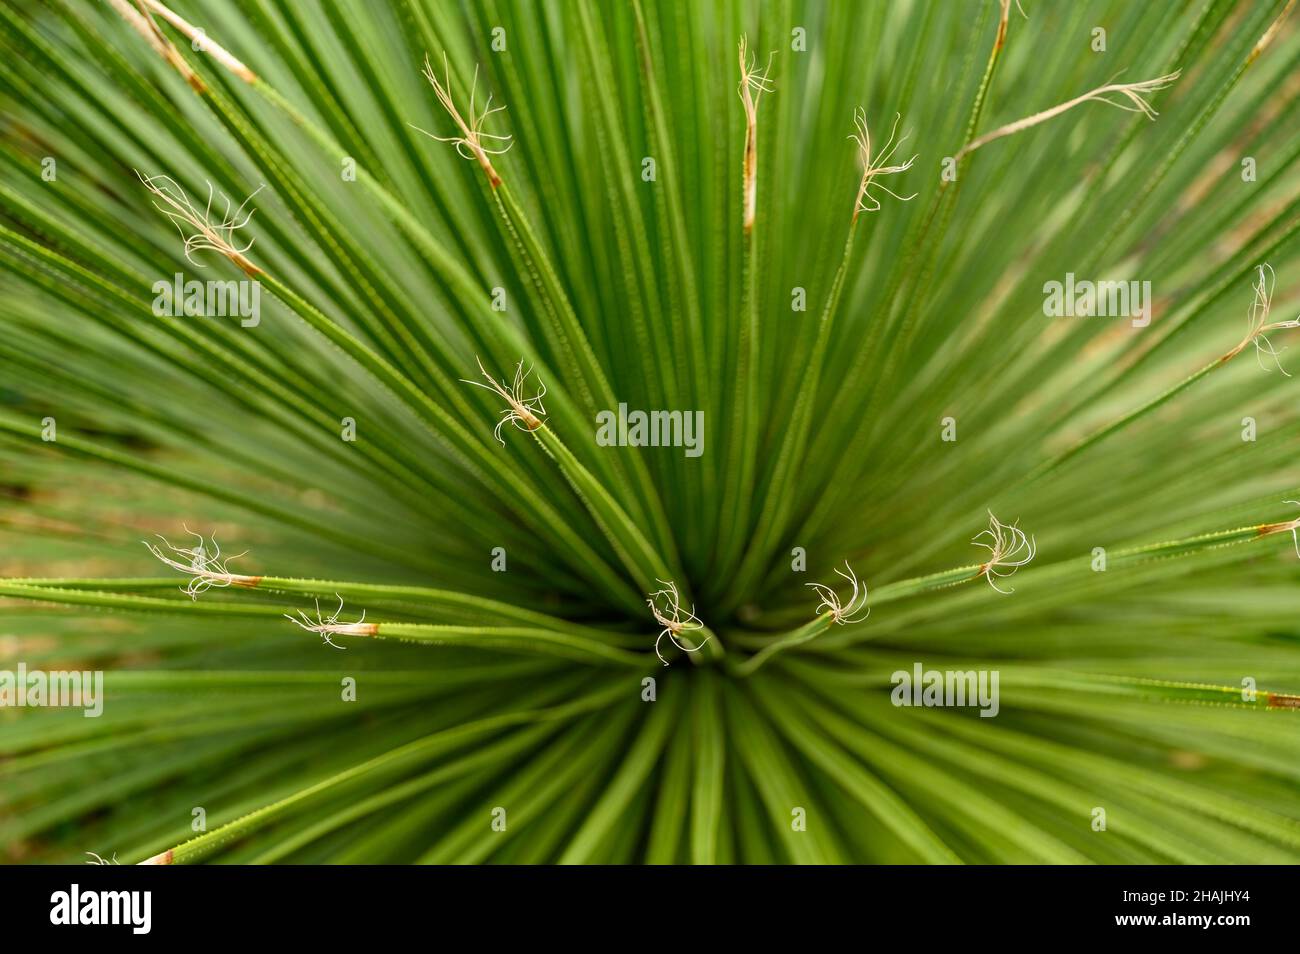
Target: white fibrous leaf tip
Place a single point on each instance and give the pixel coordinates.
(1009, 549)
(666, 606)
(843, 611)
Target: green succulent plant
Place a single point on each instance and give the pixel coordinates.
(631, 406)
